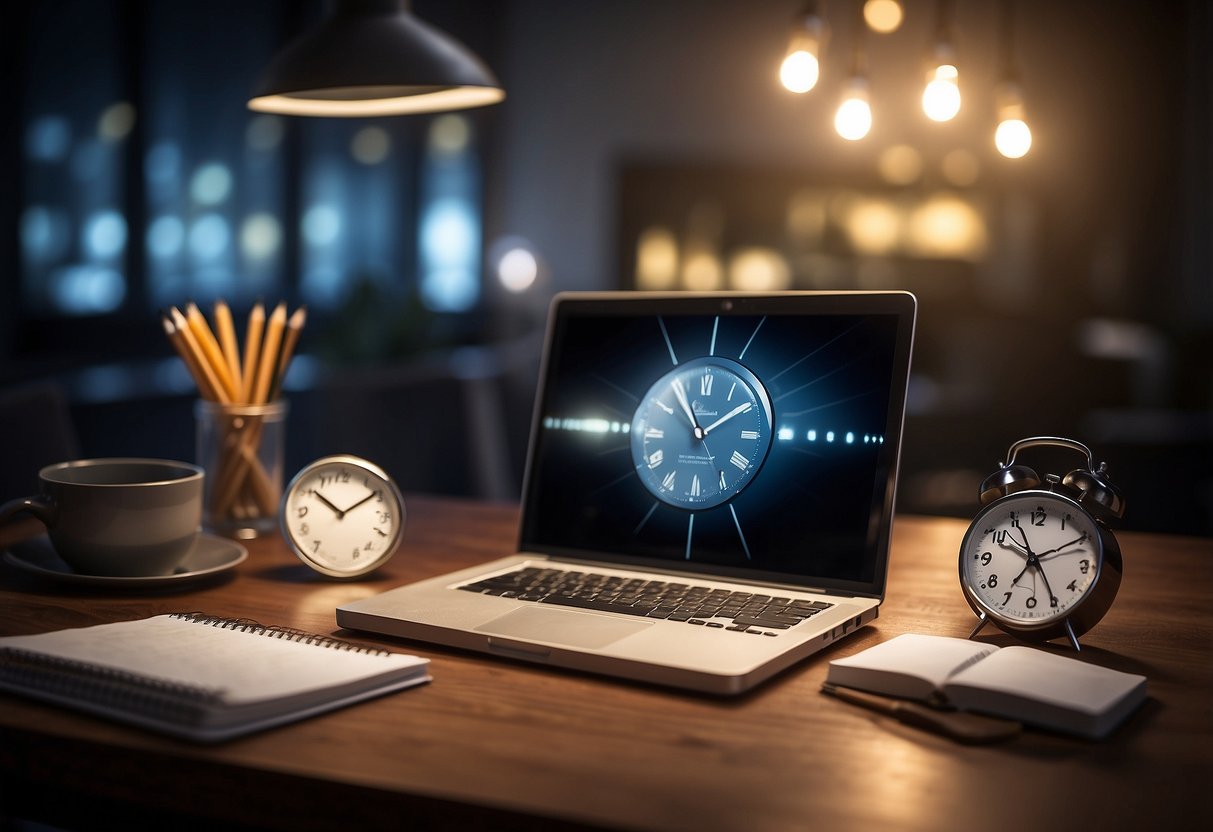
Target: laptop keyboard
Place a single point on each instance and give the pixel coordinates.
(738, 612)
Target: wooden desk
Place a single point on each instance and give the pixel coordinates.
(492, 744)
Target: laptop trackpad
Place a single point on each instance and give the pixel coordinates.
(575, 629)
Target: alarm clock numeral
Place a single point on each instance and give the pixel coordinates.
(304, 528)
(1038, 516)
(330, 479)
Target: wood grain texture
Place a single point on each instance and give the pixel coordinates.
(499, 745)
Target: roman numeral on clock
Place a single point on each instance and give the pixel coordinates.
(739, 460)
(749, 434)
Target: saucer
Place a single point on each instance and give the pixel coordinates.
(210, 555)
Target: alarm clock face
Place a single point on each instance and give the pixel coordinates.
(701, 433)
(1030, 559)
(343, 516)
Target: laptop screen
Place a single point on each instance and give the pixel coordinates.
(741, 435)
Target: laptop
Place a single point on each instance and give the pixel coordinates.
(708, 496)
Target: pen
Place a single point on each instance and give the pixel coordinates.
(971, 729)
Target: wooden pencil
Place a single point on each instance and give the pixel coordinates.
(267, 363)
(210, 350)
(294, 327)
(218, 392)
(231, 349)
(178, 342)
(252, 352)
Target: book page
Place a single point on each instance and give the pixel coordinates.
(241, 666)
(910, 665)
(1047, 678)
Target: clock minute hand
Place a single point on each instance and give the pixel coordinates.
(741, 408)
(681, 395)
(360, 502)
(1078, 539)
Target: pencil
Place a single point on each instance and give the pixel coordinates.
(210, 351)
(214, 386)
(269, 354)
(227, 340)
(176, 339)
(252, 352)
(294, 327)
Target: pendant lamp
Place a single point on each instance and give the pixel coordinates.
(373, 58)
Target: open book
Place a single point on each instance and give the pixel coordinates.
(200, 677)
(1021, 683)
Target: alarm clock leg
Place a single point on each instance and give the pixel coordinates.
(982, 621)
(1073, 638)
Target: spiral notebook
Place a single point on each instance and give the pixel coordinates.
(200, 677)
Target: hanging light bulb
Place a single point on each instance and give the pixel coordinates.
(883, 16)
(802, 65)
(853, 120)
(1012, 137)
(941, 95)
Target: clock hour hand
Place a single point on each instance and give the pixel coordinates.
(1019, 549)
(681, 394)
(325, 500)
(741, 408)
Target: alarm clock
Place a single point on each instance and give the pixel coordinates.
(1039, 560)
(342, 516)
(701, 433)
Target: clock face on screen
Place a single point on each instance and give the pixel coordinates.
(701, 433)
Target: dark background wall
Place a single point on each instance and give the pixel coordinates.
(1088, 314)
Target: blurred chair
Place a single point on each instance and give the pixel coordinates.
(37, 430)
(438, 425)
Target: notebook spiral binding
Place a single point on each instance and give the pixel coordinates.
(248, 625)
(67, 680)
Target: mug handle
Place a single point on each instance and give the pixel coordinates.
(41, 507)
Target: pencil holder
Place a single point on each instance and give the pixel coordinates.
(241, 448)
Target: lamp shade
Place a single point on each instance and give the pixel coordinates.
(373, 58)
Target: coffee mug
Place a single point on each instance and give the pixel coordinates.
(118, 517)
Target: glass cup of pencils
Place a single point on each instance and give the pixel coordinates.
(241, 416)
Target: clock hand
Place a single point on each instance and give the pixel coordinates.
(741, 408)
(1008, 543)
(325, 500)
(681, 394)
(1079, 539)
(1044, 578)
(1026, 545)
(360, 502)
